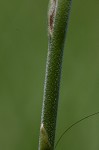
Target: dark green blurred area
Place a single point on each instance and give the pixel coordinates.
(23, 50)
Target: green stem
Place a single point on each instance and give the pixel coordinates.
(57, 25)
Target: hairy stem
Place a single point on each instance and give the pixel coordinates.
(57, 25)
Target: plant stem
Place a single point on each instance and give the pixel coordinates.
(57, 25)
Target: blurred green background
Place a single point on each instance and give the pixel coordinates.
(23, 50)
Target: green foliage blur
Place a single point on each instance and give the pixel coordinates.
(23, 50)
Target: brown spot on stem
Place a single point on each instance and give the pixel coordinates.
(52, 14)
(44, 142)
